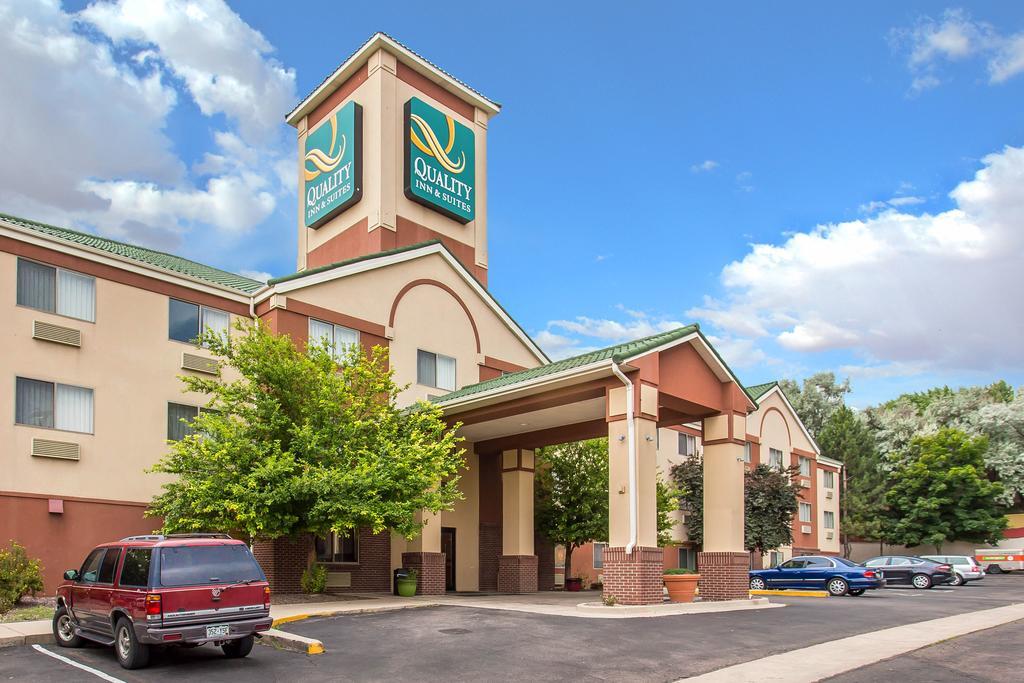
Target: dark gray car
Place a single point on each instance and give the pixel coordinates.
(908, 570)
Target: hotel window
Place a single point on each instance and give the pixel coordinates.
(774, 558)
(599, 555)
(176, 412)
(58, 406)
(338, 547)
(829, 478)
(775, 458)
(185, 321)
(435, 370)
(687, 444)
(56, 290)
(805, 467)
(746, 452)
(337, 338)
(830, 519)
(805, 512)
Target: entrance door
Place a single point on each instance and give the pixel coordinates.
(448, 548)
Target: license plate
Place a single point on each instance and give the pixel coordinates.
(216, 631)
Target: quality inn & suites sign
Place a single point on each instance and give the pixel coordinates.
(440, 161)
(332, 166)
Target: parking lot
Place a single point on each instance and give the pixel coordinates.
(462, 644)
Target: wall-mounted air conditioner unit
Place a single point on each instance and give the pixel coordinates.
(62, 450)
(196, 363)
(829, 493)
(56, 333)
(829, 535)
(805, 529)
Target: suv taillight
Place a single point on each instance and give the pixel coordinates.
(154, 606)
(266, 596)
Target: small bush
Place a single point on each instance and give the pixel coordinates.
(680, 570)
(314, 579)
(18, 575)
(609, 600)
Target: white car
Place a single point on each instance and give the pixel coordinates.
(965, 568)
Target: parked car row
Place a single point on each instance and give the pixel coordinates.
(840, 576)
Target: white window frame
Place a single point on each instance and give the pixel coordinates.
(54, 402)
(690, 448)
(781, 457)
(805, 464)
(747, 448)
(828, 519)
(58, 271)
(203, 312)
(436, 384)
(338, 351)
(828, 478)
(806, 512)
(598, 564)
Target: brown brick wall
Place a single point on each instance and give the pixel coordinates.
(633, 579)
(545, 550)
(490, 552)
(373, 571)
(283, 560)
(430, 570)
(723, 575)
(517, 574)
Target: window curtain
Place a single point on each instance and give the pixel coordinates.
(33, 402)
(344, 339)
(426, 369)
(176, 412)
(76, 295)
(37, 286)
(446, 373)
(73, 410)
(321, 333)
(215, 321)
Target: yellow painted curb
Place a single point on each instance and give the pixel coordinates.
(288, 620)
(316, 648)
(794, 593)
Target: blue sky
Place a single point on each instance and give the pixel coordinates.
(823, 189)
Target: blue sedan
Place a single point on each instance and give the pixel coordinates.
(837, 575)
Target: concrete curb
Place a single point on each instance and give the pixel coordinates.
(17, 633)
(672, 608)
(289, 641)
(795, 593)
(343, 612)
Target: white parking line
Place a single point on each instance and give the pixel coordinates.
(83, 667)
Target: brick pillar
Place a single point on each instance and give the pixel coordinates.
(633, 579)
(430, 570)
(284, 560)
(723, 575)
(517, 574)
(490, 555)
(545, 550)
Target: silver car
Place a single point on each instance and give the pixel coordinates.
(965, 568)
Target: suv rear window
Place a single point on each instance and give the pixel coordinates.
(190, 565)
(135, 571)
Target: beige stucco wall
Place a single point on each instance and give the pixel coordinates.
(383, 96)
(132, 368)
(465, 519)
(427, 318)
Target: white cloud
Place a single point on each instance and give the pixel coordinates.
(957, 37)
(260, 275)
(921, 290)
(224, 62)
(739, 352)
(564, 338)
(881, 371)
(704, 166)
(891, 203)
(91, 148)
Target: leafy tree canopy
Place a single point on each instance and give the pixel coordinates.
(298, 443)
(939, 492)
(819, 397)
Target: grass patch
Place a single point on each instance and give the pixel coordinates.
(28, 613)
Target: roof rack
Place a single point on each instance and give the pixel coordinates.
(162, 537)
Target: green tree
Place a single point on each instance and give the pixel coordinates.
(298, 443)
(571, 494)
(820, 396)
(771, 498)
(847, 438)
(938, 492)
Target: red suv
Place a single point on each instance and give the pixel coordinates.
(184, 589)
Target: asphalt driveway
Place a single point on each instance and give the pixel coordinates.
(462, 644)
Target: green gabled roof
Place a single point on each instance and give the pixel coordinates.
(617, 353)
(348, 262)
(149, 257)
(756, 391)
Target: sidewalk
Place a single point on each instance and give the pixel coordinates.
(817, 662)
(25, 633)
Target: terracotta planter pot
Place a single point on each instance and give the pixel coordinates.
(574, 585)
(681, 587)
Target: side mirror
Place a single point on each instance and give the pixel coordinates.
(71, 575)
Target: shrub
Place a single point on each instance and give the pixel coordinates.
(680, 570)
(18, 575)
(314, 579)
(609, 601)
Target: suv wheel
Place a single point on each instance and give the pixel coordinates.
(838, 586)
(131, 654)
(64, 629)
(921, 581)
(236, 649)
